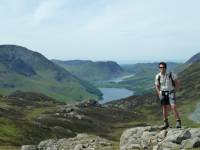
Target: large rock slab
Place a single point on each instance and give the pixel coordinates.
(152, 138)
(80, 142)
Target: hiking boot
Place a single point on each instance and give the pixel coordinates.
(166, 124)
(178, 123)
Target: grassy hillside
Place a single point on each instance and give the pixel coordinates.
(25, 70)
(92, 71)
(28, 118)
(15, 128)
(36, 116)
(190, 83)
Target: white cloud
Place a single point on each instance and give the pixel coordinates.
(46, 10)
(103, 29)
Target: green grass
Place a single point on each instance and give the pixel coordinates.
(185, 108)
(10, 148)
(33, 114)
(153, 113)
(67, 90)
(9, 132)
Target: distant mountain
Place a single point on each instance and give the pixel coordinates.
(144, 67)
(92, 71)
(25, 70)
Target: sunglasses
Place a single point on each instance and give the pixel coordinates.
(161, 67)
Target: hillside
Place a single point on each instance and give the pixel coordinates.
(92, 71)
(190, 83)
(25, 70)
(41, 117)
(28, 118)
(194, 59)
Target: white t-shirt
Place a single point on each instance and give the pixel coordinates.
(165, 81)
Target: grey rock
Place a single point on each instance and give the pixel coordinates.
(152, 138)
(195, 132)
(80, 142)
(29, 147)
(78, 147)
(171, 145)
(61, 130)
(177, 135)
(191, 143)
(89, 103)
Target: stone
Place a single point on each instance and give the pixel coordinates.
(29, 147)
(152, 138)
(195, 132)
(80, 142)
(177, 135)
(191, 143)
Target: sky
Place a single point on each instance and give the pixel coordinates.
(121, 30)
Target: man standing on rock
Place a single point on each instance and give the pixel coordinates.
(167, 84)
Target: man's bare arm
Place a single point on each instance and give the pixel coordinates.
(177, 84)
(157, 89)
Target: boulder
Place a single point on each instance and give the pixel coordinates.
(152, 138)
(89, 103)
(80, 142)
(29, 147)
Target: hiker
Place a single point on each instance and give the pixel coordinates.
(167, 84)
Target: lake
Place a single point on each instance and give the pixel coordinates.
(110, 94)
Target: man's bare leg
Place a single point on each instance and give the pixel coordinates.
(176, 115)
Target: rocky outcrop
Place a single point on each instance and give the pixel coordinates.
(80, 142)
(152, 138)
(75, 110)
(134, 101)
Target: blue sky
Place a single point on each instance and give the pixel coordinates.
(120, 30)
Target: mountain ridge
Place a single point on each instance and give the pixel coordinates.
(194, 59)
(26, 70)
(92, 70)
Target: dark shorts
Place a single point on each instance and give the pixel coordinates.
(167, 98)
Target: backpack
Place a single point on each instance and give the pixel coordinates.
(170, 76)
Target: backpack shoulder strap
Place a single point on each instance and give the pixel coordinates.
(159, 80)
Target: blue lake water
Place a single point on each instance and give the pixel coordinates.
(110, 94)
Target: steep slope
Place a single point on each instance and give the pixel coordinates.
(92, 71)
(194, 59)
(189, 74)
(26, 70)
(190, 83)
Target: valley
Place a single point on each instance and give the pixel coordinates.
(30, 113)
